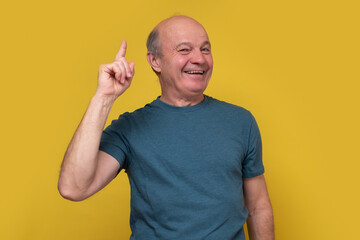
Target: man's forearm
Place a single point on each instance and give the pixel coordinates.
(80, 160)
(260, 224)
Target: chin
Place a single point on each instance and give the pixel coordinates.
(198, 86)
(196, 90)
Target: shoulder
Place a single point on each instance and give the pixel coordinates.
(127, 120)
(230, 110)
(138, 113)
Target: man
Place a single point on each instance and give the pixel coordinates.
(193, 162)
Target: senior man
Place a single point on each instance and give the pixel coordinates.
(194, 163)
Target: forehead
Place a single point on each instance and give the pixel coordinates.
(178, 30)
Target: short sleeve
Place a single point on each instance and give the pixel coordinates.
(113, 142)
(253, 165)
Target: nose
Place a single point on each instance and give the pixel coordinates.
(197, 57)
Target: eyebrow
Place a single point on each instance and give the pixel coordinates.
(189, 44)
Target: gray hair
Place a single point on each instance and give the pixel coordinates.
(153, 43)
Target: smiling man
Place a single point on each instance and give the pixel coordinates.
(194, 163)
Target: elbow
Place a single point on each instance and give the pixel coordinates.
(261, 211)
(70, 194)
(263, 208)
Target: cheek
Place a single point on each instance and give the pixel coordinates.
(209, 61)
(181, 62)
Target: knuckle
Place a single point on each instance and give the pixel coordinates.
(119, 59)
(117, 66)
(117, 62)
(123, 60)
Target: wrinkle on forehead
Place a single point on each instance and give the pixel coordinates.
(190, 44)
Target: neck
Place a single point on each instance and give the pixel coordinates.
(182, 101)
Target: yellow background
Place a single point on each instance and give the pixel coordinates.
(293, 64)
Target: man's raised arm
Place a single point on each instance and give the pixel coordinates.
(85, 170)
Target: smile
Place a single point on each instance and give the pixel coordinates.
(195, 72)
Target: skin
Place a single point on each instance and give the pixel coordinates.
(185, 48)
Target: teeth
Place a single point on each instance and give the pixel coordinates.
(195, 72)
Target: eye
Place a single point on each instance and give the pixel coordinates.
(205, 50)
(184, 50)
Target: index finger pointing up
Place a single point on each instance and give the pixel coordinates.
(122, 50)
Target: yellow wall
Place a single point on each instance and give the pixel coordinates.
(294, 64)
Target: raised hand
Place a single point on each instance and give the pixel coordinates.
(114, 78)
(85, 170)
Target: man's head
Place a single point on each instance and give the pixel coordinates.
(179, 52)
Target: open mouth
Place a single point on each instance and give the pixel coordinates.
(195, 72)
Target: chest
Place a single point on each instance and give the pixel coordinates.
(186, 145)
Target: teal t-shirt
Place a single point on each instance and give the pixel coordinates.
(186, 167)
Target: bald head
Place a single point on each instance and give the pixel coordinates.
(176, 20)
(153, 43)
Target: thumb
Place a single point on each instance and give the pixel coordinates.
(132, 67)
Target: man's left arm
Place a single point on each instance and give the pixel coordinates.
(260, 220)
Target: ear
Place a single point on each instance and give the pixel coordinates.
(154, 62)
